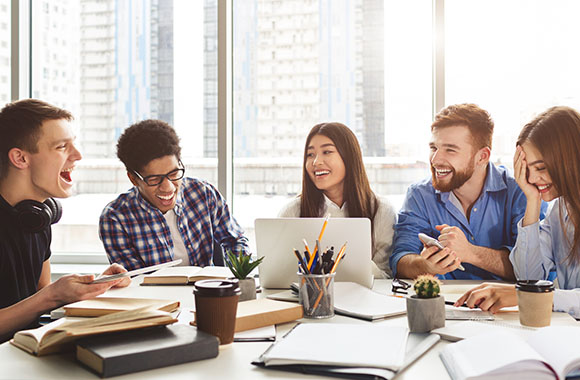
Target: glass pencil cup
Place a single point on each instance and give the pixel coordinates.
(316, 295)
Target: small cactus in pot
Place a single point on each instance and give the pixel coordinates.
(427, 286)
(426, 309)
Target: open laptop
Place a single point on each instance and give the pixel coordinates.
(276, 238)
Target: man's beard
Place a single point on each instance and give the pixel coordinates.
(457, 179)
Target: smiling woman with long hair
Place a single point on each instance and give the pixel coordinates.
(547, 167)
(334, 181)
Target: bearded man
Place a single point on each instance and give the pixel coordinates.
(470, 205)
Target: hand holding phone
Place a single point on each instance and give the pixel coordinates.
(430, 242)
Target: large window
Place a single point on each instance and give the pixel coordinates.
(299, 63)
(113, 63)
(513, 58)
(4, 51)
(369, 64)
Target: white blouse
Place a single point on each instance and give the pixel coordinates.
(383, 229)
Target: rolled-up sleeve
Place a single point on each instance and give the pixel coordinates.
(411, 221)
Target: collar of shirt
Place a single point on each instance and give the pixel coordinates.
(332, 208)
(493, 183)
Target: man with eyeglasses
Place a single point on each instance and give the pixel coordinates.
(165, 216)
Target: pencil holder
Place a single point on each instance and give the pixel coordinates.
(317, 295)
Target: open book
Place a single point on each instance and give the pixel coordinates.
(333, 349)
(58, 335)
(186, 275)
(547, 353)
(98, 306)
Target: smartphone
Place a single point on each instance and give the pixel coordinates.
(429, 242)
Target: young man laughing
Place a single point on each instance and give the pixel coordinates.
(165, 216)
(469, 204)
(37, 157)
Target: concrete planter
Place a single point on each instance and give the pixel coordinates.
(425, 314)
(248, 288)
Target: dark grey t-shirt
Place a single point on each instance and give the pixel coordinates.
(22, 255)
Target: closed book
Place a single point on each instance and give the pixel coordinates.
(264, 312)
(106, 305)
(60, 335)
(134, 351)
(186, 275)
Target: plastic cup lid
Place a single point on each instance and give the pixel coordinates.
(535, 286)
(217, 288)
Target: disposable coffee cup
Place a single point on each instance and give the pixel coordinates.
(216, 304)
(535, 300)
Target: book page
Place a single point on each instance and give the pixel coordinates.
(360, 345)
(105, 305)
(212, 271)
(356, 300)
(495, 352)
(555, 344)
(39, 333)
(187, 271)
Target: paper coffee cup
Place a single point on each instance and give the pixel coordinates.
(535, 302)
(216, 304)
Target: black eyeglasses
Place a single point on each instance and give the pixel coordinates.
(157, 179)
(399, 286)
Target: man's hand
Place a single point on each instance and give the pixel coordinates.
(440, 261)
(489, 297)
(74, 287)
(114, 269)
(454, 239)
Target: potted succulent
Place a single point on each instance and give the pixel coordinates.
(426, 309)
(241, 264)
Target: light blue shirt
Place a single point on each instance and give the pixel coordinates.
(492, 223)
(542, 247)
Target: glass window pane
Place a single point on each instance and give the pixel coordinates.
(513, 58)
(113, 63)
(5, 52)
(366, 64)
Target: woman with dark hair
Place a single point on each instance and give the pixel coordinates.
(334, 181)
(547, 167)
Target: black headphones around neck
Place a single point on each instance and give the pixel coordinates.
(34, 216)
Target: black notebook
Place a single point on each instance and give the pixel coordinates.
(133, 351)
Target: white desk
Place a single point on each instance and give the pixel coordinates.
(233, 361)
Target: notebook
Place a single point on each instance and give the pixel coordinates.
(548, 353)
(277, 237)
(330, 349)
(356, 301)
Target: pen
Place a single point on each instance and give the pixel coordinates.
(301, 261)
(306, 246)
(451, 303)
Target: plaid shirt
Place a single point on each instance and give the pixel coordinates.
(135, 234)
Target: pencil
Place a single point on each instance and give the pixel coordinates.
(338, 258)
(319, 239)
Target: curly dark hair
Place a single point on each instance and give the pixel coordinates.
(145, 141)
